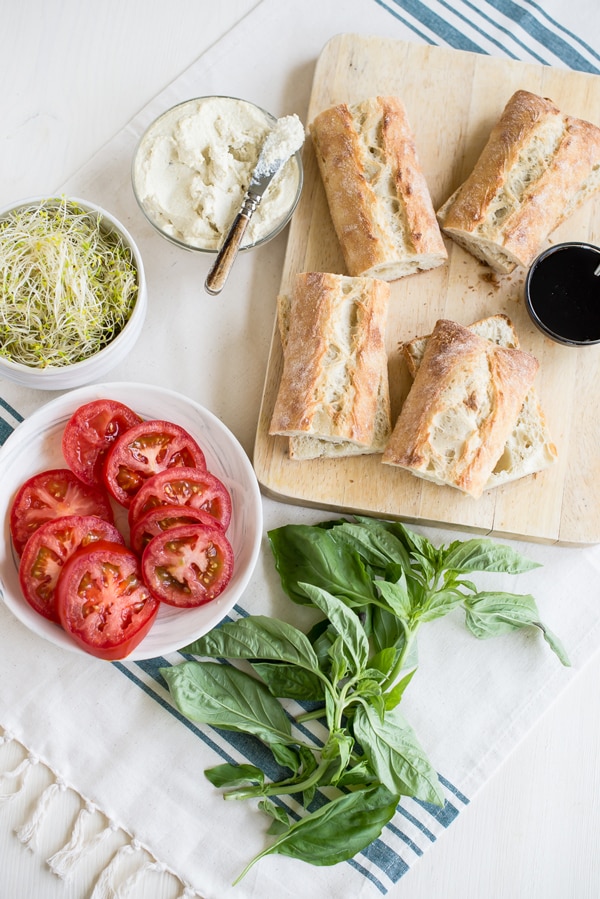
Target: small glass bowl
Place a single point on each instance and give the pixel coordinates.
(161, 219)
(76, 374)
(562, 293)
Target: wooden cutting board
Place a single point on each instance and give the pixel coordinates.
(453, 98)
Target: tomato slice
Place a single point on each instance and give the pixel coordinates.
(53, 494)
(189, 565)
(145, 450)
(102, 600)
(48, 549)
(89, 434)
(161, 519)
(183, 487)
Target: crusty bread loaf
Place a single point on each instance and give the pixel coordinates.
(376, 191)
(536, 168)
(529, 447)
(333, 398)
(461, 408)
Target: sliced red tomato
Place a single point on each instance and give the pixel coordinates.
(102, 600)
(48, 549)
(183, 487)
(143, 451)
(53, 494)
(189, 565)
(89, 434)
(162, 518)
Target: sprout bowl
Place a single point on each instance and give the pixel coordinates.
(74, 295)
(193, 165)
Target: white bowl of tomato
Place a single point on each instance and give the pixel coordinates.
(132, 521)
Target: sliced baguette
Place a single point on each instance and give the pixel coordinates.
(333, 398)
(461, 409)
(529, 447)
(377, 194)
(536, 168)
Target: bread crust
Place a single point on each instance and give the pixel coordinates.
(536, 168)
(461, 408)
(334, 359)
(376, 191)
(529, 448)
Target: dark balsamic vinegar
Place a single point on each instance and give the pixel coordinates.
(565, 293)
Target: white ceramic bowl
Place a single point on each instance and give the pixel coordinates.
(168, 205)
(97, 365)
(35, 445)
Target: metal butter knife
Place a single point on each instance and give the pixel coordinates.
(278, 147)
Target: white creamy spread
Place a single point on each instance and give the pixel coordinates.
(194, 165)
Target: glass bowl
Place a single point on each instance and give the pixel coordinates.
(99, 363)
(193, 164)
(562, 293)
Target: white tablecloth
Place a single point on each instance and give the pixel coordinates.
(104, 738)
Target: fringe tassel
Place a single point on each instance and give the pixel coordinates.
(104, 888)
(28, 831)
(64, 860)
(22, 769)
(189, 893)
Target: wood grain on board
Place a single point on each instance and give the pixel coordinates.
(453, 98)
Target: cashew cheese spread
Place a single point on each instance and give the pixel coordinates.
(194, 165)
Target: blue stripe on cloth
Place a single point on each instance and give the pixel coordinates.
(418, 824)
(6, 426)
(477, 10)
(430, 20)
(446, 783)
(444, 815)
(570, 34)
(379, 853)
(548, 38)
(550, 41)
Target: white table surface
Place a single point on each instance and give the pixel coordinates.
(72, 75)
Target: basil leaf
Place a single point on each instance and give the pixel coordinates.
(387, 630)
(225, 697)
(481, 554)
(345, 622)
(290, 681)
(373, 542)
(257, 637)
(439, 604)
(490, 614)
(397, 597)
(306, 554)
(395, 755)
(419, 547)
(392, 697)
(384, 660)
(227, 775)
(336, 831)
(281, 821)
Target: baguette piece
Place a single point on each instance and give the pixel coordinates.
(333, 397)
(376, 191)
(536, 168)
(461, 408)
(529, 447)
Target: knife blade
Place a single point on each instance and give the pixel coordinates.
(285, 139)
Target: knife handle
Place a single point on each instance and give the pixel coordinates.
(217, 276)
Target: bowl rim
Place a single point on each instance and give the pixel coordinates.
(139, 306)
(540, 324)
(284, 221)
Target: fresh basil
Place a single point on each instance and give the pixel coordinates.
(337, 830)
(372, 584)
